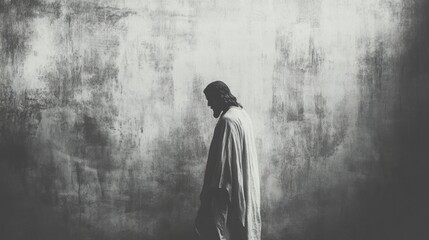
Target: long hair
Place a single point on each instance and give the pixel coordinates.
(221, 91)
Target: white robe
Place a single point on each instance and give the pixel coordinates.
(232, 166)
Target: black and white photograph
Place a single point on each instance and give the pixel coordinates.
(214, 119)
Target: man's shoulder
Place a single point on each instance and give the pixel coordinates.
(234, 116)
(225, 120)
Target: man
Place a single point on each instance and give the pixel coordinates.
(230, 198)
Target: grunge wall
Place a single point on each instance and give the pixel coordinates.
(104, 130)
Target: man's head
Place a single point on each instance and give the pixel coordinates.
(219, 98)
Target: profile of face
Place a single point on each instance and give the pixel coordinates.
(215, 104)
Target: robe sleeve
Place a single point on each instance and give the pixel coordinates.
(219, 211)
(221, 157)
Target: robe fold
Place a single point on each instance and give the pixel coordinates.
(232, 168)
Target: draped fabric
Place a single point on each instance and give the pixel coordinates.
(232, 172)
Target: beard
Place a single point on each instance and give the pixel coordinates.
(216, 113)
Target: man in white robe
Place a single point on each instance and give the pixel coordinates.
(230, 198)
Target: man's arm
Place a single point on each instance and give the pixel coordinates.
(219, 209)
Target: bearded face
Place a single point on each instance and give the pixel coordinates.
(215, 104)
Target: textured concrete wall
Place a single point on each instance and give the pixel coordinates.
(104, 130)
